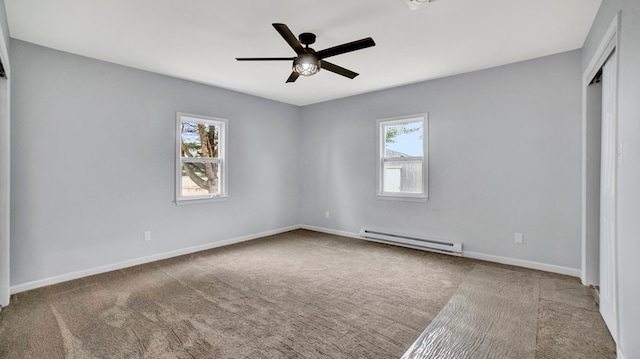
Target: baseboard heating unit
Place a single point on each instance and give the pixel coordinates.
(416, 242)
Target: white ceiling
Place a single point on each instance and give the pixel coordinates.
(199, 39)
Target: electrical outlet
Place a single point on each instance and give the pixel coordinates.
(518, 238)
(147, 236)
(326, 214)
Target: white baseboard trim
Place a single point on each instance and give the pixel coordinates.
(485, 257)
(165, 255)
(137, 261)
(574, 272)
(330, 231)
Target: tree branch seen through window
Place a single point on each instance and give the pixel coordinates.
(200, 157)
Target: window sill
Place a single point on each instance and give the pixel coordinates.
(400, 197)
(199, 200)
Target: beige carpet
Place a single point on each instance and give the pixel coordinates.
(301, 294)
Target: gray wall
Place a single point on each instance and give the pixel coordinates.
(93, 148)
(504, 157)
(87, 183)
(629, 169)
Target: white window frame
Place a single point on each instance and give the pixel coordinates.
(424, 117)
(220, 160)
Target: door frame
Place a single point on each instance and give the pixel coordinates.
(609, 43)
(5, 175)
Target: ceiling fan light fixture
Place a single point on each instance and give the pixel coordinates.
(306, 65)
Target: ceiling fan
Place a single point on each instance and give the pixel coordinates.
(309, 62)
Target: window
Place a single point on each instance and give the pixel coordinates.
(402, 164)
(200, 166)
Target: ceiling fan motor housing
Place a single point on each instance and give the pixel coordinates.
(307, 38)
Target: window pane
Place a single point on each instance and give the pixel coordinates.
(199, 140)
(402, 176)
(403, 139)
(200, 179)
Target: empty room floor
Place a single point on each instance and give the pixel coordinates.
(304, 294)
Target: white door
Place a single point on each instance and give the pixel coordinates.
(608, 190)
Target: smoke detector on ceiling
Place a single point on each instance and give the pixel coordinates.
(415, 4)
